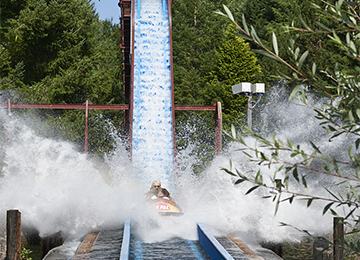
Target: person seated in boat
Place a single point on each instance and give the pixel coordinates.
(153, 193)
(163, 194)
(155, 187)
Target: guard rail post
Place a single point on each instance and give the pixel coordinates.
(13, 235)
(338, 238)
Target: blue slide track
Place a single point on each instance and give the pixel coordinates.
(152, 147)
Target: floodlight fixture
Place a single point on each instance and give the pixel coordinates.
(249, 89)
(243, 87)
(258, 88)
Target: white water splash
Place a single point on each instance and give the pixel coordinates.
(57, 188)
(224, 208)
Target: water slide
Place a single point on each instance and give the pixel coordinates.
(109, 244)
(151, 112)
(152, 144)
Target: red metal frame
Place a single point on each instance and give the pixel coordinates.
(87, 106)
(86, 125)
(218, 128)
(132, 74)
(125, 43)
(64, 106)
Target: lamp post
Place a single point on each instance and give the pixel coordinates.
(249, 90)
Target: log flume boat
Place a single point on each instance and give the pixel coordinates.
(166, 207)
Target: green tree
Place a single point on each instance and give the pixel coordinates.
(196, 35)
(9, 10)
(64, 53)
(236, 64)
(52, 34)
(203, 51)
(339, 114)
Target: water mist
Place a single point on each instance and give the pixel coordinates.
(58, 188)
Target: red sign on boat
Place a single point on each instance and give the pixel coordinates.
(162, 206)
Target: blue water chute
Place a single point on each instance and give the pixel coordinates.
(152, 125)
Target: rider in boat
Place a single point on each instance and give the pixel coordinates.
(161, 199)
(163, 194)
(155, 189)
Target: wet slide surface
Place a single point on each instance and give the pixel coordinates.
(152, 123)
(108, 245)
(175, 248)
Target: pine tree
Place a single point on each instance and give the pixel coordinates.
(197, 31)
(236, 64)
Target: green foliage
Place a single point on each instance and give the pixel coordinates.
(298, 250)
(236, 64)
(207, 61)
(9, 10)
(102, 127)
(68, 55)
(278, 16)
(25, 253)
(339, 86)
(62, 53)
(51, 34)
(14, 78)
(196, 34)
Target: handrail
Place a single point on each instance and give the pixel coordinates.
(125, 245)
(212, 247)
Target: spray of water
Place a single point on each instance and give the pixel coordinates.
(214, 200)
(57, 188)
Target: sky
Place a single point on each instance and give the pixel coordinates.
(107, 9)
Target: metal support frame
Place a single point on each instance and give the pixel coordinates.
(211, 245)
(125, 245)
(87, 106)
(86, 125)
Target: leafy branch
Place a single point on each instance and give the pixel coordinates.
(339, 114)
(252, 36)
